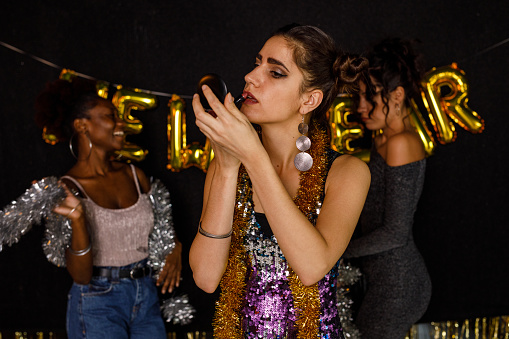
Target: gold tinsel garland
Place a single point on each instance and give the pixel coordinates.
(475, 328)
(227, 320)
(306, 299)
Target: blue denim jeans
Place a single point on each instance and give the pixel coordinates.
(115, 308)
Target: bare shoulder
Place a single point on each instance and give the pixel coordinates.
(404, 148)
(348, 168)
(349, 162)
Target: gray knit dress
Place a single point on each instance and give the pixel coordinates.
(398, 284)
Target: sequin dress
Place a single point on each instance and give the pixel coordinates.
(261, 296)
(268, 310)
(398, 284)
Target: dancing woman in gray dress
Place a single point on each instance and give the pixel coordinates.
(398, 285)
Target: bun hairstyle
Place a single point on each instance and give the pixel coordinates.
(61, 102)
(323, 65)
(392, 63)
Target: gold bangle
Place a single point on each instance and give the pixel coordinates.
(213, 236)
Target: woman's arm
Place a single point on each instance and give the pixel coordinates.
(313, 251)
(208, 256)
(403, 184)
(169, 276)
(79, 254)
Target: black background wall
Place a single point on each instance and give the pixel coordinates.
(166, 46)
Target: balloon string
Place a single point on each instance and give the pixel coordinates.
(46, 62)
(498, 44)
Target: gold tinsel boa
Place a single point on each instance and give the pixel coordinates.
(227, 321)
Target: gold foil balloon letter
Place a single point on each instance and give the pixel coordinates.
(126, 100)
(343, 130)
(180, 155)
(445, 94)
(422, 129)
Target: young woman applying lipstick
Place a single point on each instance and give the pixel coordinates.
(112, 215)
(278, 213)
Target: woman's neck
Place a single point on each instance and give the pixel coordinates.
(95, 165)
(397, 124)
(280, 146)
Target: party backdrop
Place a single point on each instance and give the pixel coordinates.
(166, 46)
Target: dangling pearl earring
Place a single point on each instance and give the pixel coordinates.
(398, 110)
(303, 161)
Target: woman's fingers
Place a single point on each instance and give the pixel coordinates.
(70, 206)
(203, 119)
(171, 272)
(213, 101)
(171, 279)
(227, 130)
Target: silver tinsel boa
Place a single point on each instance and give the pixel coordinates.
(161, 240)
(178, 310)
(347, 276)
(30, 208)
(37, 204)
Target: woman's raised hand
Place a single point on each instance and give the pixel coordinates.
(71, 206)
(230, 132)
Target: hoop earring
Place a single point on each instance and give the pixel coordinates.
(303, 161)
(72, 150)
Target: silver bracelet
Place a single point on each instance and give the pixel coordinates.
(74, 209)
(213, 236)
(80, 252)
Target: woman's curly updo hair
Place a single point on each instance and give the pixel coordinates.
(392, 63)
(323, 65)
(63, 101)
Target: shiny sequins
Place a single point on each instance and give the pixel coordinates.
(261, 296)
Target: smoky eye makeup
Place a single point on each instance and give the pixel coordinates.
(277, 74)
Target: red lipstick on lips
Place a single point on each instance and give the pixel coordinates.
(250, 97)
